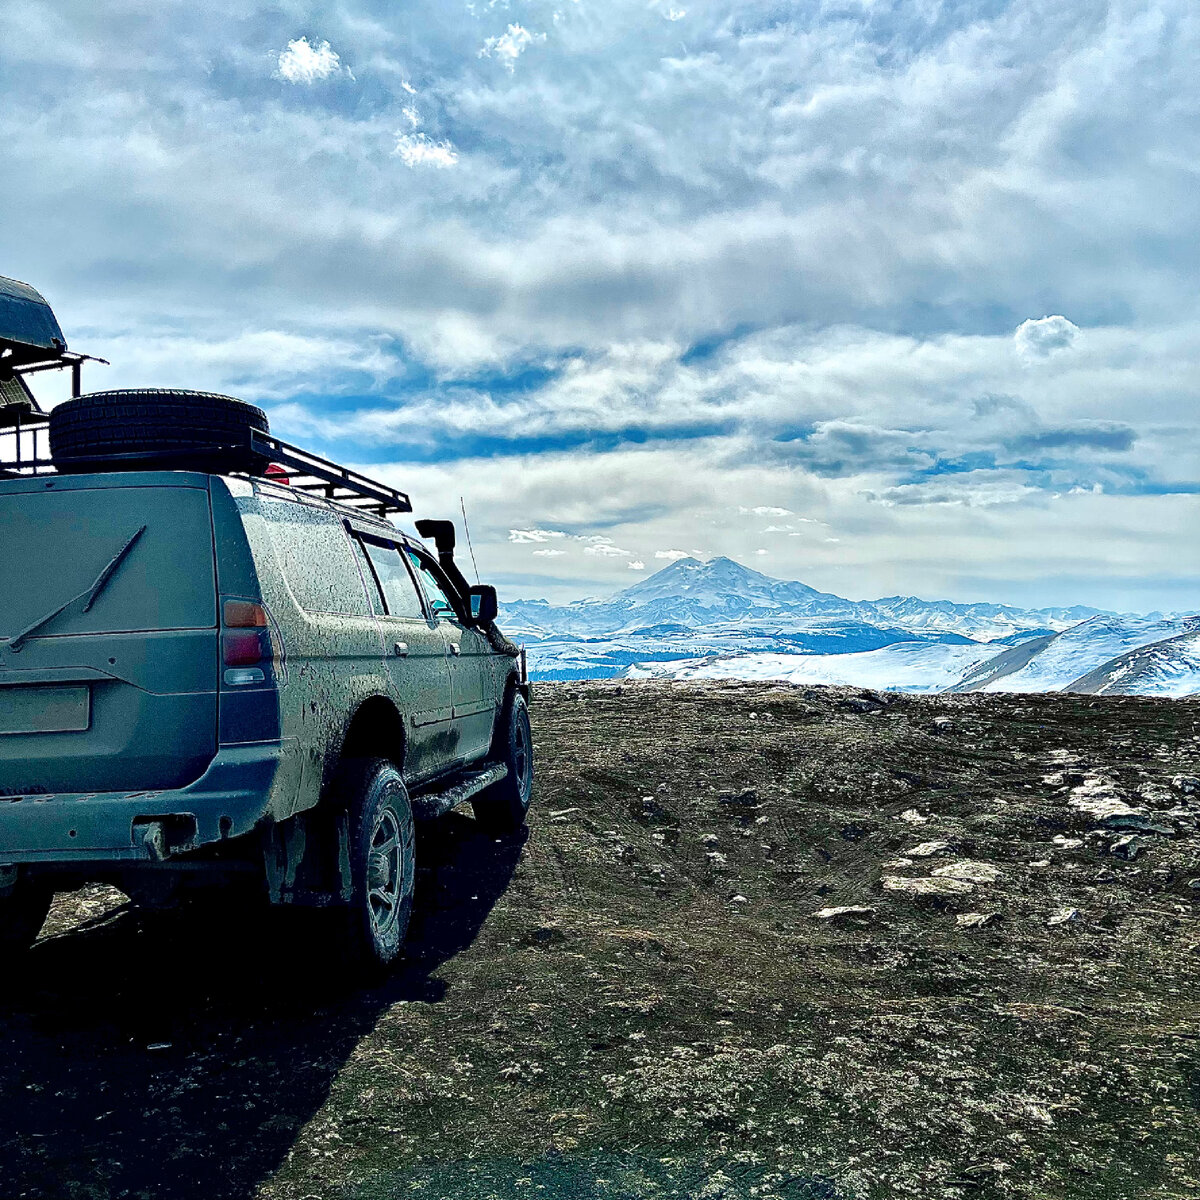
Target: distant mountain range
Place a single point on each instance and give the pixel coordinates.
(719, 619)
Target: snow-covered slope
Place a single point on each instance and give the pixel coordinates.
(1170, 667)
(1074, 653)
(906, 666)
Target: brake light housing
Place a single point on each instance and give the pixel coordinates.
(247, 649)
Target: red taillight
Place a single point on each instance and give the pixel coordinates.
(244, 640)
(244, 614)
(277, 474)
(240, 649)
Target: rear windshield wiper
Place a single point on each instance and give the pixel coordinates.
(89, 596)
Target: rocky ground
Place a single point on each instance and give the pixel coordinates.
(759, 942)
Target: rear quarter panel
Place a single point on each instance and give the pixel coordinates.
(332, 659)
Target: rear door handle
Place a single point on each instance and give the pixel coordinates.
(400, 649)
(455, 649)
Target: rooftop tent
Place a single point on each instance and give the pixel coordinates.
(29, 331)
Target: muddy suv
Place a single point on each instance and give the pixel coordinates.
(225, 675)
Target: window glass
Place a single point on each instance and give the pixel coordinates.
(438, 600)
(373, 593)
(397, 584)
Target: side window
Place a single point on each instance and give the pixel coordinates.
(439, 602)
(398, 588)
(374, 595)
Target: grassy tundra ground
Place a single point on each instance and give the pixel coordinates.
(637, 1000)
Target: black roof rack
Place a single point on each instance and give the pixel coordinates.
(24, 451)
(330, 480)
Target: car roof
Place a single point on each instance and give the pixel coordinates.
(362, 519)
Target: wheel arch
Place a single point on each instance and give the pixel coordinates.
(376, 730)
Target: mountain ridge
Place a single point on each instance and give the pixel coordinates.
(720, 618)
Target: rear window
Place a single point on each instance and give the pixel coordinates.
(55, 544)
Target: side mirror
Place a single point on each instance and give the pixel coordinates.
(484, 605)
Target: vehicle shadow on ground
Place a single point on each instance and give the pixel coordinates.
(171, 1058)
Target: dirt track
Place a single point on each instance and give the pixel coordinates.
(638, 1002)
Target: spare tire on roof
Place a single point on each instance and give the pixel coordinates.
(162, 427)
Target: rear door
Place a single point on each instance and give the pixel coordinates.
(419, 662)
(470, 660)
(108, 632)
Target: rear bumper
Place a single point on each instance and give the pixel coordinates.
(229, 799)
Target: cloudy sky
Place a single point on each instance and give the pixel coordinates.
(884, 296)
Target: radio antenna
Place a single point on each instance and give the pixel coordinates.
(467, 531)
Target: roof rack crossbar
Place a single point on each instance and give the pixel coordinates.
(335, 479)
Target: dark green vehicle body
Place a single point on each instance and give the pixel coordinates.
(141, 732)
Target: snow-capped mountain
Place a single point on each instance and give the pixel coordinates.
(719, 619)
(694, 594)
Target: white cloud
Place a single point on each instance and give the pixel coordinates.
(605, 547)
(549, 553)
(408, 87)
(305, 62)
(411, 115)
(510, 45)
(1044, 336)
(534, 535)
(766, 510)
(672, 555)
(636, 565)
(416, 150)
(984, 493)
(676, 14)
(762, 552)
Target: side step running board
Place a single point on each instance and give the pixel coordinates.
(433, 804)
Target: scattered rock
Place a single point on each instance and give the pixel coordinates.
(1139, 823)
(896, 863)
(844, 910)
(739, 899)
(917, 886)
(974, 920)
(970, 872)
(1155, 793)
(717, 858)
(912, 817)
(1128, 847)
(1066, 843)
(1061, 916)
(746, 798)
(927, 849)
(1189, 785)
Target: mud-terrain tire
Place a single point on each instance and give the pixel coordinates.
(181, 429)
(22, 914)
(382, 862)
(502, 807)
